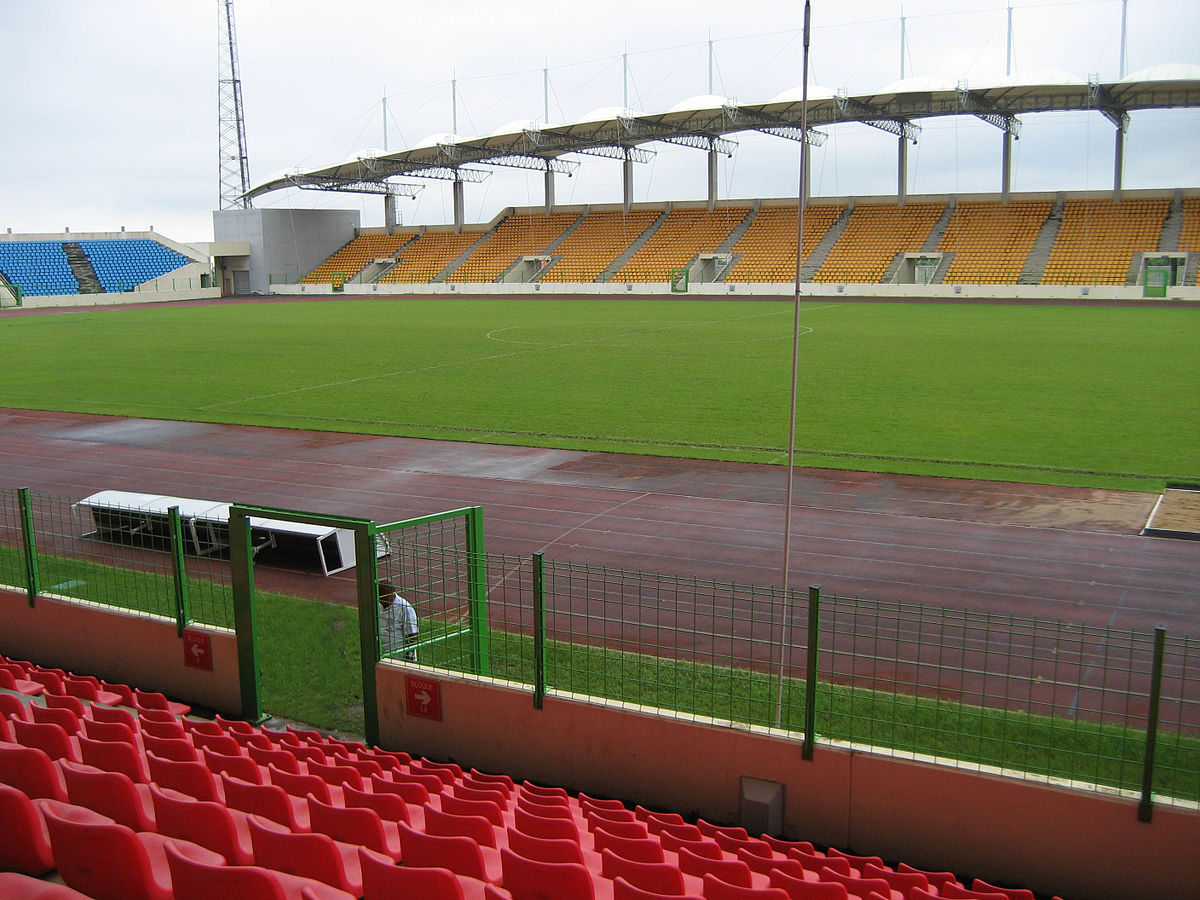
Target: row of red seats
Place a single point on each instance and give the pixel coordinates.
(24, 677)
(316, 807)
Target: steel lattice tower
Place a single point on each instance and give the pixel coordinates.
(235, 165)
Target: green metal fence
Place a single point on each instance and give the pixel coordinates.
(66, 553)
(1038, 699)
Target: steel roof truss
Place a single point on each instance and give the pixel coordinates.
(985, 109)
(353, 186)
(660, 131)
(1103, 100)
(858, 111)
(744, 118)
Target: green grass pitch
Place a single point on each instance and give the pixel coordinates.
(1075, 395)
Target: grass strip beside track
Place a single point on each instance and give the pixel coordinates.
(311, 671)
(1072, 395)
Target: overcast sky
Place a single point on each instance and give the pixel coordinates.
(110, 108)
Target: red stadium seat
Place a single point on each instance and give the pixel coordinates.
(458, 853)
(196, 880)
(643, 849)
(89, 688)
(904, 882)
(26, 844)
(115, 756)
(443, 824)
(624, 890)
(48, 737)
(546, 849)
(178, 749)
(10, 681)
(234, 765)
(355, 825)
(154, 700)
(103, 713)
(99, 730)
(383, 880)
(66, 701)
(13, 705)
(656, 877)
(626, 828)
(1012, 893)
(733, 871)
(938, 880)
(191, 778)
(64, 718)
(389, 807)
(15, 886)
(766, 865)
(111, 794)
(107, 861)
(31, 771)
(211, 825)
(718, 889)
(267, 800)
(309, 855)
(542, 826)
(300, 785)
(528, 879)
(801, 889)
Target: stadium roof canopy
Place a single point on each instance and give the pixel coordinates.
(705, 122)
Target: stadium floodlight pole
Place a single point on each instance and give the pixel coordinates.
(791, 449)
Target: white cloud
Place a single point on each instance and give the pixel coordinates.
(115, 103)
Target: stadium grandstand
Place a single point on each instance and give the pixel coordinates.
(100, 269)
(137, 757)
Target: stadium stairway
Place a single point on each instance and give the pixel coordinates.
(81, 268)
(557, 242)
(1172, 229)
(462, 257)
(820, 252)
(617, 264)
(1039, 255)
(939, 229)
(727, 245)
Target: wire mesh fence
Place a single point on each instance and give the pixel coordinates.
(1040, 699)
(83, 555)
(1037, 698)
(12, 564)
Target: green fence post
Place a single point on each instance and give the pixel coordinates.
(477, 587)
(810, 674)
(242, 581)
(33, 578)
(1146, 805)
(367, 578)
(539, 629)
(179, 570)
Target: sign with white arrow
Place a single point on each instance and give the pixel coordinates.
(197, 650)
(424, 697)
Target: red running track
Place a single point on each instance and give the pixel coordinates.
(1030, 550)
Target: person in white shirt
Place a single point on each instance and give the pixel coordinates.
(397, 623)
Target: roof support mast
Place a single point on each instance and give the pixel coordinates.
(1006, 152)
(231, 129)
(712, 150)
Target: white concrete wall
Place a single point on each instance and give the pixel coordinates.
(736, 291)
(285, 242)
(141, 295)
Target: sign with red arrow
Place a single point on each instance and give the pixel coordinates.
(197, 650)
(424, 697)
